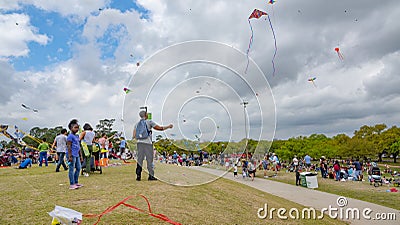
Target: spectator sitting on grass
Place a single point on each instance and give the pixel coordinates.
(27, 162)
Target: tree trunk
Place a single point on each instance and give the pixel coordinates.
(380, 157)
(395, 158)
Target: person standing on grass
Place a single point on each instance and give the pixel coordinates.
(252, 169)
(122, 146)
(74, 155)
(297, 169)
(275, 162)
(336, 168)
(323, 167)
(358, 168)
(43, 149)
(235, 171)
(307, 161)
(143, 134)
(61, 147)
(265, 163)
(96, 152)
(295, 161)
(103, 141)
(86, 138)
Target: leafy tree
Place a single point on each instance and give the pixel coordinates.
(395, 150)
(389, 140)
(36, 135)
(370, 136)
(105, 126)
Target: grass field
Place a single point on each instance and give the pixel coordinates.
(28, 195)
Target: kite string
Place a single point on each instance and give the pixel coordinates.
(248, 48)
(111, 208)
(276, 48)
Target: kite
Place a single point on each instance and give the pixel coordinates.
(312, 80)
(339, 54)
(127, 90)
(257, 14)
(24, 119)
(16, 24)
(197, 137)
(138, 64)
(29, 108)
(271, 2)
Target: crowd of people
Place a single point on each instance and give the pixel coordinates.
(69, 150)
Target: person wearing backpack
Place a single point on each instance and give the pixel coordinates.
(142, 133)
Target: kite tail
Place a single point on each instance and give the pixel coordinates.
(276, 48)
(248, 48)
(340, 56)
(314, 84)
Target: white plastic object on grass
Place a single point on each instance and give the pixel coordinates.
(65, 216)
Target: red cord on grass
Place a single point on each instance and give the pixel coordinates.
(111, 208)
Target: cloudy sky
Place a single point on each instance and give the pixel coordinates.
(72, 59)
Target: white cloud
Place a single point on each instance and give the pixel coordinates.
(16, 34)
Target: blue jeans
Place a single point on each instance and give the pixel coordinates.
(74, 175)
(43, 155)
(337, 175)
(61, 161)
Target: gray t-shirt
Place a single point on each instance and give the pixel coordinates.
(61, 142)
(150, 125)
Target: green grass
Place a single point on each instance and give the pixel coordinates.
(28, 195)
(352, 189)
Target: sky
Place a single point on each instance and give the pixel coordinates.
(72, 59)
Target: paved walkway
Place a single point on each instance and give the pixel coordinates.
(315, 198)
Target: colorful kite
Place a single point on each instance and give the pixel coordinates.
(29, 108)
(312, 81)
(127, 90)
(257, 14)
(339, 54)
(271, 2)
